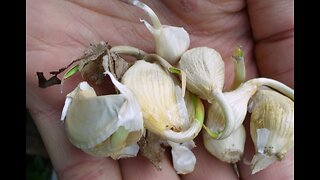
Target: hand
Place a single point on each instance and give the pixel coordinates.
(59, 31)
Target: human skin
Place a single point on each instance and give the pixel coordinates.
(58, 32)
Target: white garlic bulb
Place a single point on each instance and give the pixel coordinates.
(163, 107)
(170, 41)
(103, 125)
(271, 127)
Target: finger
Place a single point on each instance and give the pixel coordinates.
(68, 161)
(272, 27)
(140, 168)
(278, 170)
(207, 166)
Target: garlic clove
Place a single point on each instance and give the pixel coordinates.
(157, 96)
(183, 158)
(163, 107)
(170, 41)
(102, 125)
(228, 150)
(271, 127)
(204, 70)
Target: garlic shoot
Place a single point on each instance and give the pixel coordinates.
(238, 100)
(129, 50)
(103, 125)
(271, 127)
(228, 150)
(183, 158)
(239, 67)
(163, 107)
(154, 18)
(170, 41)
(276, 85)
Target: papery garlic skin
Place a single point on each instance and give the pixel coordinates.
(103, 125)
(163, 107)
(228, 150)
(271, 127)
(183, 158)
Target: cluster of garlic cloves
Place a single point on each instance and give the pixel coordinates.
(161, 94)
(238, 98)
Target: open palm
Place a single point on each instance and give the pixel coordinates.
(59, 31)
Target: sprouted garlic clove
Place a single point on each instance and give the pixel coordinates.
(118, 118)
(170, 41)
(271, 127)
(205, 70)
(163, 106)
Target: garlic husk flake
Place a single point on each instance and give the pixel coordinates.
(183, 158)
